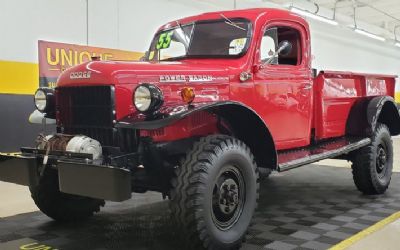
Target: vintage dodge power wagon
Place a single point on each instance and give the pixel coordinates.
(218, 102)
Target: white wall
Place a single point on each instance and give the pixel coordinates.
(341, 49)
(24, 22)
(130, 24)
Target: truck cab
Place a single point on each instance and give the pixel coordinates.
(219, 101)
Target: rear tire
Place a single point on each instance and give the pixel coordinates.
(373, 164)
(215, 193)
(61, 206)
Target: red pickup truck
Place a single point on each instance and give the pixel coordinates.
(218, 102)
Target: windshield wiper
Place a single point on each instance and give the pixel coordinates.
(230, 22)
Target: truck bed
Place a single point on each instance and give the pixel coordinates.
(335, 93)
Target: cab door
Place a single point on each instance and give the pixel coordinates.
(284, 88)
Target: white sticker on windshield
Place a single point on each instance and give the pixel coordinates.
(237, 46)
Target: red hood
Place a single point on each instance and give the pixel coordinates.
(117, 72)
(210, 81)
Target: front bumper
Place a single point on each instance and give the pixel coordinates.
(102, 182)
(18, 169)
(78, 178)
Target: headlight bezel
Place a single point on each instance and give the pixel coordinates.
(155, 95)
(49, 106)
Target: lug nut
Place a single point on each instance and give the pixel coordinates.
(235, 198)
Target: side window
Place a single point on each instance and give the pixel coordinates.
(270, 45)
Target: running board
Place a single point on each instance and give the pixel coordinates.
(289, 159)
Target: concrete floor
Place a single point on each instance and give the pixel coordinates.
(386, 238)
(16, 200)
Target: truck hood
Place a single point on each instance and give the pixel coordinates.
(210, 81)
(117, 72)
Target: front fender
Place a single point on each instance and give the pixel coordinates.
(244, 122)
(167, 115)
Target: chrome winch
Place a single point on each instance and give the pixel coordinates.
(70, 143)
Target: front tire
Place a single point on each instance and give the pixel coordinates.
(373, 164)
(215, 193)
(61, 206)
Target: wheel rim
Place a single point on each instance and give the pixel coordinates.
(381, 160)
(228, 197)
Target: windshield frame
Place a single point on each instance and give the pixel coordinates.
(249, 37)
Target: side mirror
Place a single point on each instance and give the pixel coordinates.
(285, 47)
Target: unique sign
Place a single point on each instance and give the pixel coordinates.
(54, 58)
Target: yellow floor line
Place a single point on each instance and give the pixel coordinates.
(10, 153)
(359, 236)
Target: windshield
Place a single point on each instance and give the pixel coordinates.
(219, 38)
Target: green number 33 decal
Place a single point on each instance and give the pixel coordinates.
(165, 40)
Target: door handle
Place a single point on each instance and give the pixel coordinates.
(307, 86)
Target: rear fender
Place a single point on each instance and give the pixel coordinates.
(243, 123)
(383, 109)
(367, 113)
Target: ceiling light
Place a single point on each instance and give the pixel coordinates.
(370, 35)
(313, 16)
(397, 44)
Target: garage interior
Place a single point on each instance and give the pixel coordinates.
(312, 207)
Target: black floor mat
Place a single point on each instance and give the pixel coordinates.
(313, 207)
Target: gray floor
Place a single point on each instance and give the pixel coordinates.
(311, 208)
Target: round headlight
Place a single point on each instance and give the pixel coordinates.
(142, 98)
(147, 98)
(44, 100)
(40, 100)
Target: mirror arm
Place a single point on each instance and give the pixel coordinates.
(276, 53)
(272, 58)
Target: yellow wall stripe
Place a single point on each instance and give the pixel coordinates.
(18, 77)
(398, 97)
(353, 239)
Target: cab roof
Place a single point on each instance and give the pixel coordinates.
(254, 15)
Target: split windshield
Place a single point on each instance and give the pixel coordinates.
(223, 38)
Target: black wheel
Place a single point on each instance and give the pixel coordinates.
(372, 165)
(215, 193)
(61, 206)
